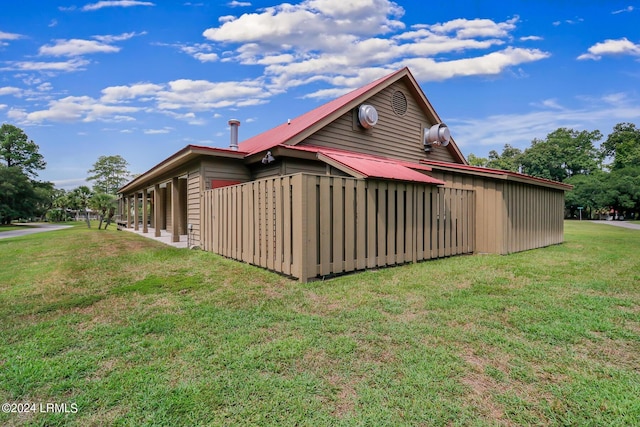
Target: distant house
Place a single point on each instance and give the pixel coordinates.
(369, 179)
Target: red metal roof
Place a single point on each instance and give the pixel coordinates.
(286, 131)
(373, 167)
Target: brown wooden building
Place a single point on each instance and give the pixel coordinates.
(369, 179)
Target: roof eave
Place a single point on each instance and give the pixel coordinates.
(499, 174)
(183, 156)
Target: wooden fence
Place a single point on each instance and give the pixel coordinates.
(309, 226)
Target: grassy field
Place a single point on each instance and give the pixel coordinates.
(126, 331)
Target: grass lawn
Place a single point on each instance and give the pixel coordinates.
(127, 331)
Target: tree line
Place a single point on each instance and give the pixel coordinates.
(606, 177)
(24, 197)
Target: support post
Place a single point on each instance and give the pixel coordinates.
(136, 211)
(145, 200)
(128, 207)
(175, 211)
(157, 210)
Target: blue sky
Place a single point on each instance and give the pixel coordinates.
(142, 79)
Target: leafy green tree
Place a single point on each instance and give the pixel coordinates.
(17, 195)
(109, 173)
(508, 160)
(105, 205)
(45, 195)
(564, 153)
(477, 161)
(59, 205)
(17, 150)
(543, 160)
(623, 146)
(624, 190)
(80, 198)
(590, 192)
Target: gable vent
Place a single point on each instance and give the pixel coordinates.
(399, 103)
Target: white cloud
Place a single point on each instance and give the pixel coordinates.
(74, 109)
(531, 38)
(201, 95)
(157, 131)
(189, 117)
(236, 3)
(490, 64)
(79, 47)
(76, 47)
(626, 9)
(115, 3)
(10, 36)
(551, 103)
(621, 46)
(206, 57)
(45, 87)
(298, 25)
(203, 52)
(616, 99)
(465, 29)
(568, 21)
(43, 66)
(69, 184)
(10, 90)
(119, 37)
(179, 99)
(356, 37)
(117, 94)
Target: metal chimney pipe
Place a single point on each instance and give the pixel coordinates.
(234, 124)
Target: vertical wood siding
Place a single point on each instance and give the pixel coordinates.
(511, 216)
(395, 136)
(193, 203)
(310, 226)
(214, 169)
(536, 217)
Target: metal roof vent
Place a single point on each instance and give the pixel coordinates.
(233, 143)
(437, 135)
(367, 116)
(399, 103)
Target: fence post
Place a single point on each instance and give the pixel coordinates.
(300, 262)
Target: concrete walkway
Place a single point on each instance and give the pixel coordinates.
(623, 224)
(165, 237)
(31, 228)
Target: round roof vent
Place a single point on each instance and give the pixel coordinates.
(437, 134)
(367, 116)
(399, 103)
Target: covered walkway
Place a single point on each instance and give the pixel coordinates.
(165, 237)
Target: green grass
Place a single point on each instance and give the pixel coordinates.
(137, 333)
